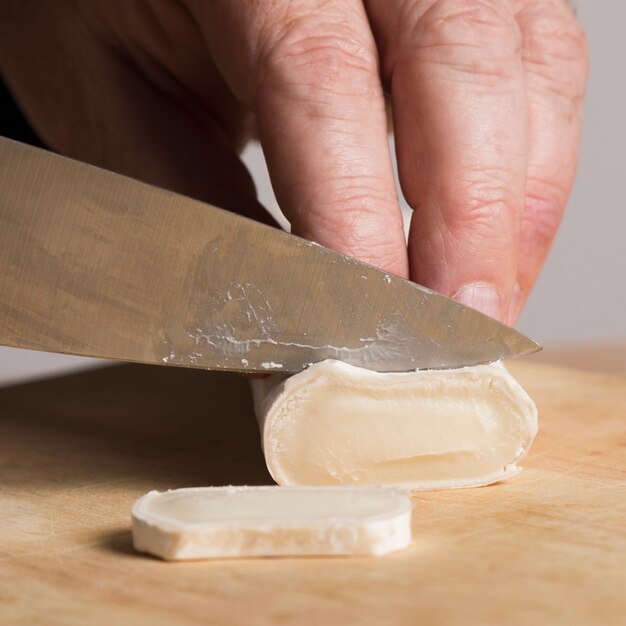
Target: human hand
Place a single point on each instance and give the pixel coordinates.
(486, 94)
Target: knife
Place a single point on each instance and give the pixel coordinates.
(97, 264)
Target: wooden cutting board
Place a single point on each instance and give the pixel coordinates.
(549, 547)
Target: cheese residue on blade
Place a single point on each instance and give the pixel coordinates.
(219, 522)
(335, 424)
(270, 365)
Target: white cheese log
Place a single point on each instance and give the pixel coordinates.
(336, 424)
(218, 522)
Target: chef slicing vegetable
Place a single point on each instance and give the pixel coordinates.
(486, 94)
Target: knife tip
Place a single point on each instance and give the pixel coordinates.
(525, 346)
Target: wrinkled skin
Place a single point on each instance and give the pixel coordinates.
(486, 97)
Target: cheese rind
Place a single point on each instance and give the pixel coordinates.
(335, 424)
(221, 522)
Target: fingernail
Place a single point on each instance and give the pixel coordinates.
(480, 296)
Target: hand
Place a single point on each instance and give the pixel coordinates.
(486, 94)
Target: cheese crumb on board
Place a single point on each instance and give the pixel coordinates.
(220, 522)
(335, 424)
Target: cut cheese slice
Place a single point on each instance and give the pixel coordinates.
(337, 424)
(218, 522)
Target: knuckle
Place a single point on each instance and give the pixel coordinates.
(479, 220)
(312, 54)
(483, 206)
(470, 24)
(350, 213)
(476, 37)
(454, 20)
(555, 47)
(543, 211)
(376, 251)
(359, 222)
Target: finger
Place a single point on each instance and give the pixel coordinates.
(555, 63)
(457, 87)
(309, 71)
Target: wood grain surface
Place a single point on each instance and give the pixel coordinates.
(549, 547)
(606, 358)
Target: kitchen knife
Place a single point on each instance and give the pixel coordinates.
(97, 264)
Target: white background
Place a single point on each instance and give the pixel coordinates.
(581, 294)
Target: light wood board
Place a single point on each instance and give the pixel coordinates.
(549, 547)
(605, 358)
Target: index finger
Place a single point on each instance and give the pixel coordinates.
(309, 70)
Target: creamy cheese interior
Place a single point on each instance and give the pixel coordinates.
(338, 424)
(202, 506)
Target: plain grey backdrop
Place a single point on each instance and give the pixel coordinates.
(580, 296)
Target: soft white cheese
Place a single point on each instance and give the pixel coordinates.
(335, 424)
(218, 522)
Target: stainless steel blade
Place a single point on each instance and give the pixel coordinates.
(97, 264)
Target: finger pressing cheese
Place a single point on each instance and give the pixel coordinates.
(336, 424)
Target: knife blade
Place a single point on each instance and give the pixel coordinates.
(97, 264)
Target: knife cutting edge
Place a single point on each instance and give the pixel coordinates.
(97, 264)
